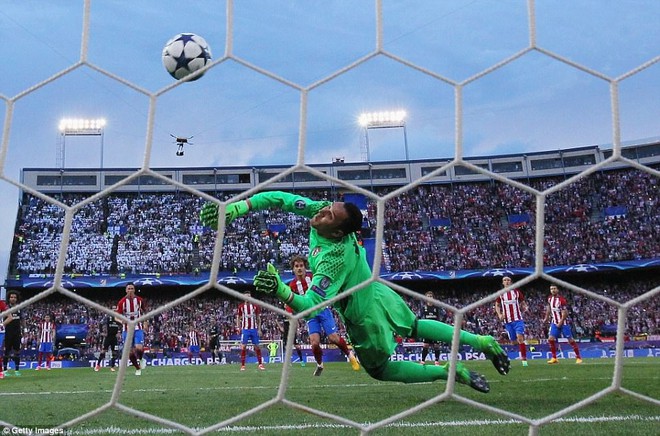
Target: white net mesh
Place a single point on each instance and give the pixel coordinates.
(379, 51)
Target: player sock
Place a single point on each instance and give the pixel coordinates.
(343, 346)
(553, 349)
(523, 350)
(576, 349)
(411, 372)
(134, 361)
(318, 354)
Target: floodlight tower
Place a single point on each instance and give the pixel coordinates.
(79, 127)
(383, 120)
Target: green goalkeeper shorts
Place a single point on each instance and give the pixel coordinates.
(373, 316)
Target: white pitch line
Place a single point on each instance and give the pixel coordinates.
(219, 388)
(273, 388)
(468, 423)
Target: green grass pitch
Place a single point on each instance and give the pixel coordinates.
(200, 396)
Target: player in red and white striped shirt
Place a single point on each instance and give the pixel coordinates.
(193, 345)
(322, 321)
(47, 331)
(249, 324)
(557, 312)
(509, 308)
(132, 307)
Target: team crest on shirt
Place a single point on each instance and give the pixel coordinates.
(299, 204)
(325, 283)
(316, 251)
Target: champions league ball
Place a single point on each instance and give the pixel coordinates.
(184, 54)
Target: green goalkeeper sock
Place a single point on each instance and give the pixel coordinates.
(413, 372)
(439, 331)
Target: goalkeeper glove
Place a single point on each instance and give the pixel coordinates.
(209, 213)
(269, 282)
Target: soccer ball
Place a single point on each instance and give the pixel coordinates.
(184, 54)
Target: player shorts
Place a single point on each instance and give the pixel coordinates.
(322, 322)
(110, 343)
(564, 331)
(2, 341)
(46, 347)
(515, 328)
(138, 337)
(12, 342)
(250, 335)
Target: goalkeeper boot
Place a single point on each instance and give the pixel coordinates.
(495, 354)
(353, 360)
(473, 379)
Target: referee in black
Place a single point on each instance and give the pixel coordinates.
(110, 342)
(13, 335)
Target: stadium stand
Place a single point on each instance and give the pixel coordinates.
(611, 216)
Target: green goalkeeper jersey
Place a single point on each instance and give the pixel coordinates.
(374, 313)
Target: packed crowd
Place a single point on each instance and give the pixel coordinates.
(168, 331)
(149, 233)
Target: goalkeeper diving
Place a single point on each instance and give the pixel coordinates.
(374, 314)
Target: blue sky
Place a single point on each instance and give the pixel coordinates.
(241, 117)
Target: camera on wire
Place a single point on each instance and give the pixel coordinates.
(181, 142)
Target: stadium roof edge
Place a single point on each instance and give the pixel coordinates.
(628, 145)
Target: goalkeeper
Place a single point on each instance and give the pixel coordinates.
(373, 315)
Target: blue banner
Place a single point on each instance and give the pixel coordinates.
(519, 220)
(441, 223)
(406, 352)
(615, 212)
(276, 228)
(357, 199)
(73, 281)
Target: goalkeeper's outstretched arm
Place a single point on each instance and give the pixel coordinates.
(264, 200)
(269, 282)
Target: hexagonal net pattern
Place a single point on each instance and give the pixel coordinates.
(380, 201)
